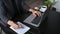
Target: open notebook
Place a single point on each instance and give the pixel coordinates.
(22, 30)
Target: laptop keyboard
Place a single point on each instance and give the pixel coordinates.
(36, 20)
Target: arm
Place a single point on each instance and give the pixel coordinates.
(26, 7)
(3, 15)
(5, 19)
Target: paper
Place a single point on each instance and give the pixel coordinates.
(22, 30)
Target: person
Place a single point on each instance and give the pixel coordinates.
(9, 8)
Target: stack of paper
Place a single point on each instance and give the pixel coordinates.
(22, 30)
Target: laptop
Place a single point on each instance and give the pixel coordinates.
(34, 20)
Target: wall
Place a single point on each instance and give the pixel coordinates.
(57, 6)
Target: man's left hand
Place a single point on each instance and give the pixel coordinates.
(34, 12)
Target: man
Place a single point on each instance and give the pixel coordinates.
(9, 8)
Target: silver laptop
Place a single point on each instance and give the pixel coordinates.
(34, 20)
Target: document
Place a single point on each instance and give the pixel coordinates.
(21, 30)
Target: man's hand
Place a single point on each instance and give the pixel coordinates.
(34, 12)
(11, 23)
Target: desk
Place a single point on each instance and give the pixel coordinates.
(33, 30)
(51, 24)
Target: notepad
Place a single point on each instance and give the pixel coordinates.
(22, 30)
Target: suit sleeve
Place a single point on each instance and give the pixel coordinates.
(25, 6)
(3, 16)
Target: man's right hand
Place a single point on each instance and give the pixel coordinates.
(14, 25)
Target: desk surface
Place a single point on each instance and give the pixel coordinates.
(43, 26)
(33, 29)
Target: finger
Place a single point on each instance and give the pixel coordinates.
(16, 26)
(34, 14)
(19, 25)
(39, 13)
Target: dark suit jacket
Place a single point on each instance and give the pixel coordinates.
(9, 8)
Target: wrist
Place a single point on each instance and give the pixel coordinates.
(9, 22)
(31, 10)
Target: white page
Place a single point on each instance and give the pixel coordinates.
(22, 30)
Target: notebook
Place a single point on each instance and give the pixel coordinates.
(22, 30)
